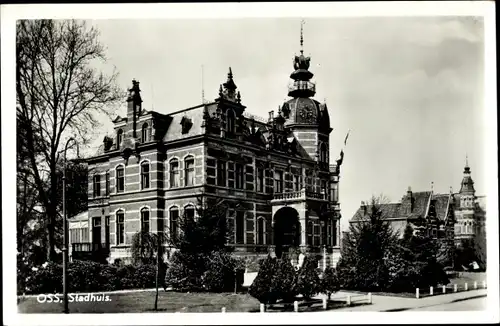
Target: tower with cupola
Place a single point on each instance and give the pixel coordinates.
(307, 118)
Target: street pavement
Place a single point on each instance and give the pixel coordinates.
(449, 301)
(476, 304)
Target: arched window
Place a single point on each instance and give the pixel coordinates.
(120, 179)
(174, 173)
(145, 175)
(145, 220)
(189, 212)
(189, 171)
(119, 138)
(144, 134)
(261, 222)
(174, 223)
(230, 121)
(323, 153)
(120, 227)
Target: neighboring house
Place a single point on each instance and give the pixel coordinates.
(156, 165)
(455, 216)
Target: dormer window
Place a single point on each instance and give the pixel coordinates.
(144, 134)
(119, 138)
(230, 121)
(186, 124)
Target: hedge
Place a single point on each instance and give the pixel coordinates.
(87, 276)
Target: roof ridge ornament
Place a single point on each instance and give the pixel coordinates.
(302, 22)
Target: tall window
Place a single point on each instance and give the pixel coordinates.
(144, 134)
(97, 185)
(221, 173)
(296, 182)
(174, 173)
(145, 175)
(309, 233)
(144, 220)
(120, 179)
(120, 228)
(107, 183)
(240, 227)
(189, 212)
(239, 176)
(174, 223)
(323, 153)
(260, 180)
(278, 181)
(189, 171)
(324, 190)
(230, 121)
(260, 230)
(119, 138)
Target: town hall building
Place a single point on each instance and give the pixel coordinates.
(155, 166)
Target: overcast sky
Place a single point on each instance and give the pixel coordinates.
(409, 89)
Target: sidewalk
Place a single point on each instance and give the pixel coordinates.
(389, 303)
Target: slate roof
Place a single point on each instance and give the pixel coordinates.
(174, 128)
(441, 204)
(403, 209)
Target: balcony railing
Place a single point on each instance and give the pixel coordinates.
(89, 246)
(302, 194)
(302, 85)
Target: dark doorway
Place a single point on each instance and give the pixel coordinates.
(286, 230)
(96, 233)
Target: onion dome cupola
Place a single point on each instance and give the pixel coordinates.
(467, 185)
(301, 109)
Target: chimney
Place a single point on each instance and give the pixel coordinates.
(134, 103)
(363, 206)
(409, 194)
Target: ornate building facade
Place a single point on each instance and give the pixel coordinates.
(453, 216)
(156, 166)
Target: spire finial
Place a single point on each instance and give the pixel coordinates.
(230, 74)
(202, 86)
(466, 160)
(432, 186)
(302, 22)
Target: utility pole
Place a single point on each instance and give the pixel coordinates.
(65, 230)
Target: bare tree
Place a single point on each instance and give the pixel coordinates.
(60, 93)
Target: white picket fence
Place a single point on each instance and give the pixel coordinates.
(450, 289)
(348, 299)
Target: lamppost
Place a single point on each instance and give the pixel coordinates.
(65, 229)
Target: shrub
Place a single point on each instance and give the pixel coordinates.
(185, 272)
(308, 282)
(284, 280)
(45, 279)
(330, 282)
(126, 277)
(83, 276)
(220, 272)
(89, 276)
(261, 287)
(145, 276)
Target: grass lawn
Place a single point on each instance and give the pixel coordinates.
(144, 302)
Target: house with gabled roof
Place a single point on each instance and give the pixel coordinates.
(453, 216)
